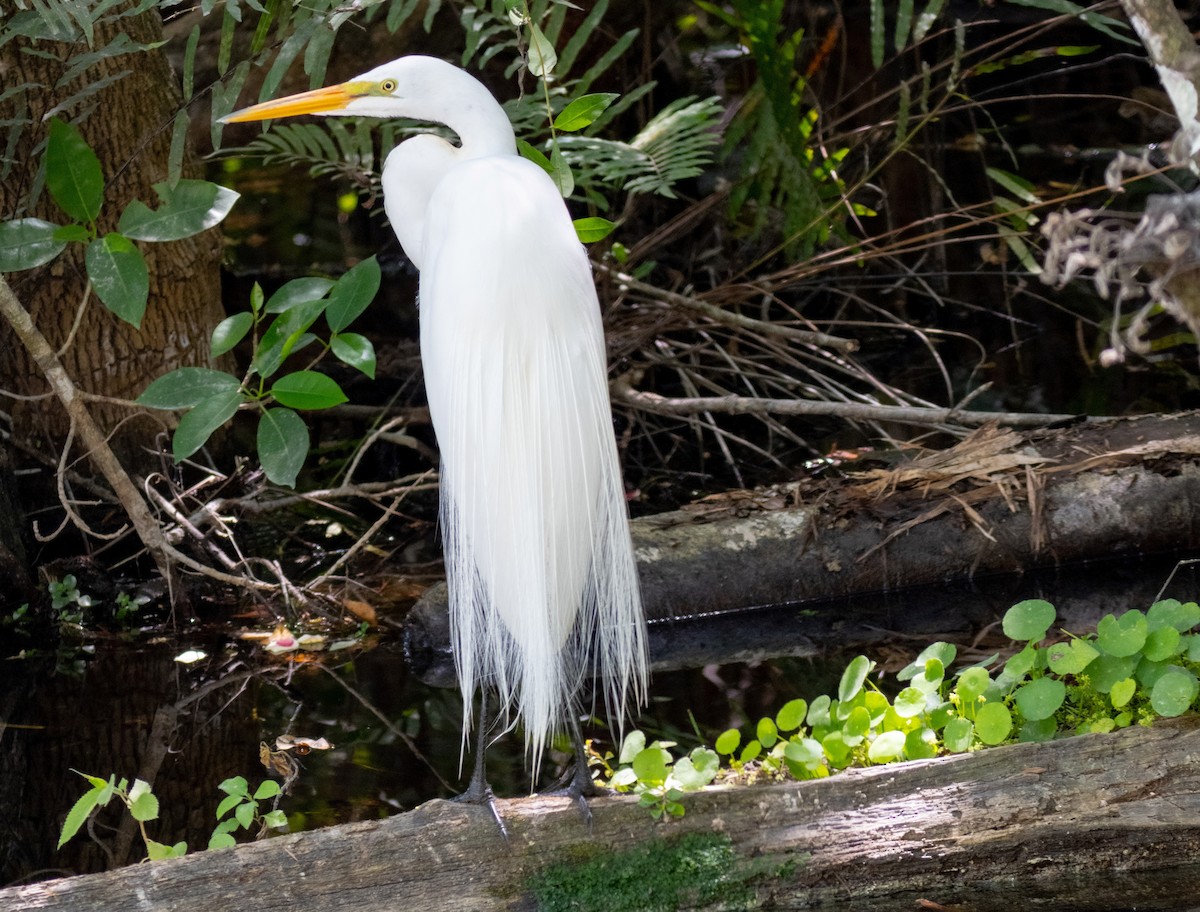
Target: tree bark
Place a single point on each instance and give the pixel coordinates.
(1089, 823)
(129, 130)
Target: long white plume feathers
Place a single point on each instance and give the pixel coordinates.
(543, 586)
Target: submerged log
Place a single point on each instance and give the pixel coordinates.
(999, 502)
(1093, 823)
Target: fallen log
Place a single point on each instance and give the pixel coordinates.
(999, 502)
(1098, 822)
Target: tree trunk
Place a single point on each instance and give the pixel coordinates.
(128, 127)
(1089, 823)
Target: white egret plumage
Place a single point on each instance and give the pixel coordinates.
(542, 584)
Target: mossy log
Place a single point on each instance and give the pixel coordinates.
(1093, 823)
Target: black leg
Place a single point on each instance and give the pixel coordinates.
(478, 791)
(581, 786)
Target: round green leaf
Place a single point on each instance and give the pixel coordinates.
(818, 711)
(221, 841)
(791, 716)
(929, 679)
(1161, 644)
(583, 111)
(767, 733)
(354, 350)
(1107, 670)
(198, 425)
(1183, 616)
(909, 702)
(857, 725)
(1072, 657)
(633, 744)
(853, 677)
(1173, 692)
(1028, 620)
(119, 276)
(921, 744)
(806, 752)
(652, 766)
(696, 770)
(1122, 692)
(186, 387)
(1040, 698)
(1122, 636)
(73, 174)
(282, 445)
(750, 752)
(728, 742)
(888, 746)
(993, 722)
(29, 242)
(230, 332)
(188, 208)
(957, 735)
(307, 390)
(972, 684)
(143, 805)
(352, 293)
(1036, 731)
(943, 652)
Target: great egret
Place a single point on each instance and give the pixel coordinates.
(539, 563)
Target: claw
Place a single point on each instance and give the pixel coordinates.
(478, 791)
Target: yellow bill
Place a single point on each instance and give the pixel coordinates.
(318, 101)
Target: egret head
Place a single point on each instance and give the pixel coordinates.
(416, 87)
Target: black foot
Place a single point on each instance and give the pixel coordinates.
(479, 792)
(577, 782)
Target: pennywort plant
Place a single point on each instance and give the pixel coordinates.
(1137, 667)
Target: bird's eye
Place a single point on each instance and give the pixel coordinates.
(388, 85)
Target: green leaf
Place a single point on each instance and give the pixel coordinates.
(789, 718)
(227, 804)
(221, 841)
(352, 293)
(727, 742)
(583, 111)
(156, 851)
(1162, 644)
(79, 813)
(282, 445)
(354, 350)
(957, 735)
(1122, 692)
(634, 744)
(1072, 657)
(188, 208)
(807, 753)
(652, 766)
(28, 242)
(308, 390)
(73, 232)
(119, 276)
(542, 57)
(277, 820)
(1107, 670)
(73, 174)
(592, 229)
(298, 291)
(1183, 616)
(1014, 184)
(244, 813)
(235, 785)
(696, 770)
(230, 332)
(888, 746)
(143, 805)
(972, 684)
(921, 744)
(1123, 636)
(199, 424)
(1040, 698)
(857, 725)
(560, 171)
(767, 733)
(269, 788)
(186, 387)
(910, 702)
(535, 155)
(853, 677)
(1174, 692)
(993, 723)
(1028, 620)
(945, 653)
(750, 752)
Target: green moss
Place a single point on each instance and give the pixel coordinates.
(659, 876)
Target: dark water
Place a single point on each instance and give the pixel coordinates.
(124, 706)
